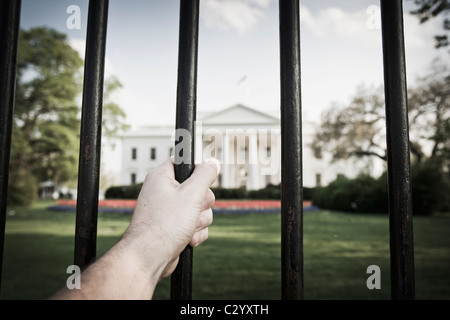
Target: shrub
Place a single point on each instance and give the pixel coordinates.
(430, 187)
(308, 193)
(362, 194)
(374, 198)
(123, 192)
(22, 189)
(270, 192)
(233, 193)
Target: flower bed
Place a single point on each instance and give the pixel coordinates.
(220, 206)
(102, 203)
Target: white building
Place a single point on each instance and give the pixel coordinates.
(245, 140)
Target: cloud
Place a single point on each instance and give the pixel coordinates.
(237, 15)
(419, 35)
(335, 21)
(365, 25)
(80, 46)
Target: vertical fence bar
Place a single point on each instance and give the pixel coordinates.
(90, 136)
(291, 152)
(181, 280)
(400, 208)
(9, 35)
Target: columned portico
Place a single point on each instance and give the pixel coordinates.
(241, 158)
(225, 183)
(253, 161)
(246, 141)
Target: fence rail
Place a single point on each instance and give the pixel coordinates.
(181, 280)
(91, 134)
(400, 212)
(9, 33)
(400, 208)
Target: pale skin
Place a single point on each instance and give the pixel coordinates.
(168, 217)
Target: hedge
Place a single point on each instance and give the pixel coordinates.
(123, 192)
(429, 185)
(362, 194)
(270, 192)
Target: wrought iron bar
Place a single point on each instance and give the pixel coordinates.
(291, 152)
(90, 136)
(9, 33)
(400, 207)
(181, 280)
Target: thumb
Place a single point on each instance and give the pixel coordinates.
(203, 176)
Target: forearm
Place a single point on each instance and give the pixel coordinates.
(119, 274)
(168, 216)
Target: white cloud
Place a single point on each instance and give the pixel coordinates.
(80, 46)
(136, 104)
(419, 35)
(335, 21)
(365, 25)
(238, 15)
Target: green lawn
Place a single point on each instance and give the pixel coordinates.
(241, 259)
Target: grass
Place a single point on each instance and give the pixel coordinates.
(241, 259)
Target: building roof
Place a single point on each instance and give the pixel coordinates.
(240, 114)
(235, 116)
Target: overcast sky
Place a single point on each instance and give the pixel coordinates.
(239, 51)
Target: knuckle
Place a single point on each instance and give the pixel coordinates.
(199, 237)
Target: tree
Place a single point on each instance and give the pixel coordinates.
(358, 129)
(427, 9)
(47, 116)
(46, 121)
(355, 130)
(113, 124)
(429, 114)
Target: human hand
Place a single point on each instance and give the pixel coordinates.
(169, 215)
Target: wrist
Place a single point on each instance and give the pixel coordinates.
(145, 262)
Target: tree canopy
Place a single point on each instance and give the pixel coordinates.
(47, 114)
(357, 129)
(428, 9)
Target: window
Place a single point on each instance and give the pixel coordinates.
(133, 178)
(170, 151)
(133, 154)
(152, 153)
(318, 179)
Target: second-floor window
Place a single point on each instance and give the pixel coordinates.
(152, 153)
(133, 154)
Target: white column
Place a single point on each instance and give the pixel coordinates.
(253, 161)
(225, 183)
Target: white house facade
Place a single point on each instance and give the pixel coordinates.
(246, 141)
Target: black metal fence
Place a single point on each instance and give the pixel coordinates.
(400, 212)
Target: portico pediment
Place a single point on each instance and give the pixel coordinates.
(240, 115)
